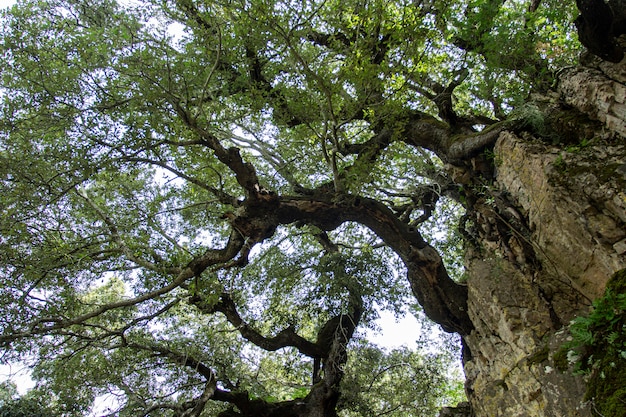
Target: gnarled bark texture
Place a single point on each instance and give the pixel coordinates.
(547, 236)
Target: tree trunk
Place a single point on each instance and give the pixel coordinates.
(547, 235)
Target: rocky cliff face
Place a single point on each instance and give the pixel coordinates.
(550, 231)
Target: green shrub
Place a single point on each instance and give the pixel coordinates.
(599, 347)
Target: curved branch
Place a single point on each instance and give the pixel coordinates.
(469, 145)
(442, 95)
(425, 131)
(443, 300)
(196, 406)
(286, 338)
(248, 407)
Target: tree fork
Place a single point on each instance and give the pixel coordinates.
(443, 300)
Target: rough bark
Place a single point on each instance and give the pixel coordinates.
(443, 299)
(545, 235)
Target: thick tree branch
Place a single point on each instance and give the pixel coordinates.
(286, 338)
(442, 95)
(331, 346)
(468, 145)
(427, 132)
(444, 301)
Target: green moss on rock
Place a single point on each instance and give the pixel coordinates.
(617, 284)
(607, 388)
(560, 359)
(607, 351)
(540, 356)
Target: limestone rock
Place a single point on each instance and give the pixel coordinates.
(461, 410)
(574, 211)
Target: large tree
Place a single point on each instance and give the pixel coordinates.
(190, 186)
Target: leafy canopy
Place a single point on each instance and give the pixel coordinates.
(191, 190)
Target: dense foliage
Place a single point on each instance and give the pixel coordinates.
(29, 405)
(191, 191)
(598, 348)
